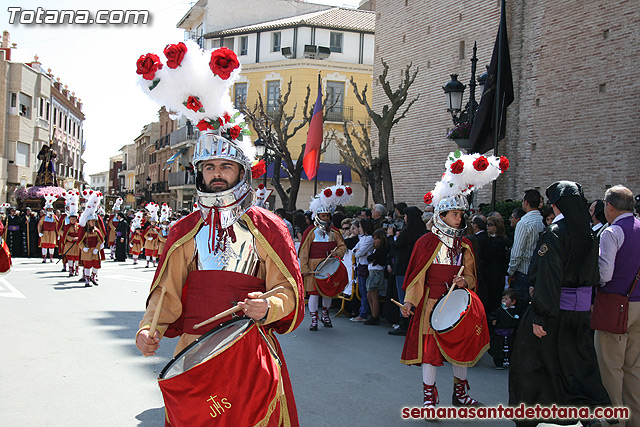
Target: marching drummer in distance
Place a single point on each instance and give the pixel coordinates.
(442, 265)
(226, 251)
(320, 243)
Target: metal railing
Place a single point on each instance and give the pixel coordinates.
(160, 187)
(183, 134)
(337, 114)
(180, 178)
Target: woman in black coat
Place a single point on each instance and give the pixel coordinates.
(495, 262)
(122, 237)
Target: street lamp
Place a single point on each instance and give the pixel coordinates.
(262, 151)
(453, 90)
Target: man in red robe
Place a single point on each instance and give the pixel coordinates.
(227, 250)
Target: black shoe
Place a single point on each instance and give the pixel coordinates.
(44, 260)
(372, 321)
(87, 285)
(313, 327)
(399, 332)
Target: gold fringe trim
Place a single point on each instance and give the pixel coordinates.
(278, 261)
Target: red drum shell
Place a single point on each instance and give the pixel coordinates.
(236, 384)
(467, 339)
(331, 277)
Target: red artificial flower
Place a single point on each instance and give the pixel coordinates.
(234, 132)
(339, 192)
(504, 163)
(175, 54)
(204, 125)
(261, 187)
(193, 103)
(328, 192)
(148, 65)
(428, 198)
(258, 169)
(457, 167)
(227, 117)
(220, 122)
(481, 163)
(223, 62)
(349, 190)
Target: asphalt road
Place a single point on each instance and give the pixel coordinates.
(69, 359)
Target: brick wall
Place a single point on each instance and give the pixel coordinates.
(576, 89)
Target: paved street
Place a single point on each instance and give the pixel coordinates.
(69, 359)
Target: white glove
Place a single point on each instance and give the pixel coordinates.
(102, 245)
(40, 234)
(131, 245)
(86, 249)
(149, 238)
(95, 251)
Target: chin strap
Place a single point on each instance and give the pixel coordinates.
(215, 224)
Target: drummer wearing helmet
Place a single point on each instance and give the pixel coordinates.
(226, 252)
(319, 242)
(441, 260)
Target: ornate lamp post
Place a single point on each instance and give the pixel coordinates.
(463, 117)
(264, 153)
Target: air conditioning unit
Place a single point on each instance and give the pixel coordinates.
(286, 52)
(323, 52)
(309, 51)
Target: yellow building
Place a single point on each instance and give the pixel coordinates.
(336, 43)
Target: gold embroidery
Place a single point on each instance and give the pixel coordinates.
(543, 250)
(218, 407)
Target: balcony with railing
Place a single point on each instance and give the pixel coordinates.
(178, 179)
(162, 142)
(160, 187)
(338, 114)
(183, 134)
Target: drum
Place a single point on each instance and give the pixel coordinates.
(331, 277)
(461, 328)
(228, 377)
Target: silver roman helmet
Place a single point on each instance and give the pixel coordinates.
(464, 173)
(233, 202)
(451, 203)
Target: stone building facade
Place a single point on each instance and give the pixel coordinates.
(575, 81)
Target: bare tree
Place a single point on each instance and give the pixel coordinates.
(358, 156)
(275, 128)
(385, 122)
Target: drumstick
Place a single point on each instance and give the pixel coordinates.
(235, 308)
(450, 290)
(156, 315)
(398, 304)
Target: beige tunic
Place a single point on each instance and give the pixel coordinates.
(309, 264)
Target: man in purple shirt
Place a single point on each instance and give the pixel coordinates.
(619, 261)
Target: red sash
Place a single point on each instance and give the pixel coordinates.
(48, 226)
(91, 241)
(321, 249)
(207, 293)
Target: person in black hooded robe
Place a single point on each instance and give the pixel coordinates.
(122, 237)
(554, 360)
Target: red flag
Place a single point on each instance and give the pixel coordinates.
(311, 157)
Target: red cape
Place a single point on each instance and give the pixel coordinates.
(271, 232)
